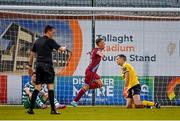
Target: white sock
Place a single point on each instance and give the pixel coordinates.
(57, 104)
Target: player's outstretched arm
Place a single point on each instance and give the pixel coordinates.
(100, 53)
(62, 48)
(56, 46)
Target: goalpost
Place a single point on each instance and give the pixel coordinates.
(149, 37)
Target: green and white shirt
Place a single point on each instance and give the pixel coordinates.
(31, 88)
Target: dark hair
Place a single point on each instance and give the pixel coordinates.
(98, 40)
(48, 28)
(33, 73)
(122, 56)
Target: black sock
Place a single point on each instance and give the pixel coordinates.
(51, 99)
(33, 98)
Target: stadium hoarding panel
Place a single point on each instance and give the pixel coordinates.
(3, 89)
(166, 90)
(14, 89)
(68, 87)
(148, 45)
(25, 79)
(147, 87)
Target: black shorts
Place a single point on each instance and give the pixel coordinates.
(134, 91)
(44, 73)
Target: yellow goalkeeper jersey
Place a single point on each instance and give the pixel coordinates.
(133, 79)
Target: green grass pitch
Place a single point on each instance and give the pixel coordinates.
(91, 113)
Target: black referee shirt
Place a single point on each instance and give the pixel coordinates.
(43, 48)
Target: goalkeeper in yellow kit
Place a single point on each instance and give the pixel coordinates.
(132, 86)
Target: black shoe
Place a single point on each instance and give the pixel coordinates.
(55, 112)
(150, 107)
(30, 111)
(157, 105)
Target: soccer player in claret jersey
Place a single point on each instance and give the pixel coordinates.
(92, 79)
(132, 86)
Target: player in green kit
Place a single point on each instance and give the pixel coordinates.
(42, 98)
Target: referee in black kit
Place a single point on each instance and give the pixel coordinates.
(42, 50)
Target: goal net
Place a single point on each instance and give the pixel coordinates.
(149, 37)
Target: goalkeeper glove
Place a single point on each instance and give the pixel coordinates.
(125, 92)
